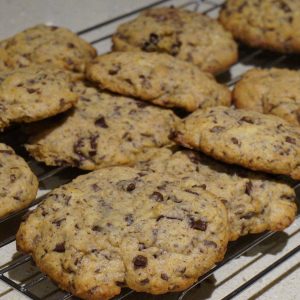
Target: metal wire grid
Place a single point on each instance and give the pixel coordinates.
(34, 282)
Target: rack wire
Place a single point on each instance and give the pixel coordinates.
(36, 285)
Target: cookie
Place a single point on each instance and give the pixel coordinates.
(255, 202)
(158, 78)
(269, 24)
(159, 236)
(103, 130)
(48, 44)
(34, 93)
(247, 138)
(270, 91)
(5, 61)
(18, 185)
(187, 35)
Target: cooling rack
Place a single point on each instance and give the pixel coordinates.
(21, 274)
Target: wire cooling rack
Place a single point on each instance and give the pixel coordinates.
(21, 274)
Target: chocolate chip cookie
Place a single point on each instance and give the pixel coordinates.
(255, 202)
(158, 78)
(34, 93)
(18, 185)
(270, 24)
(187, 35)
(103, 130)
(48, 44)
(121, 226)
(247, 138)
(270, 91)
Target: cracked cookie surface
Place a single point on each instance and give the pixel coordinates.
(270, 91)
(158, 78)
(48, 44)
(102, 130)
(247, 138)
(122, 226)
(270, 24)
(255, 202)
(187, 35)
(18, 185)
(34, 93)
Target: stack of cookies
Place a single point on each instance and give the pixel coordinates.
(175, 171)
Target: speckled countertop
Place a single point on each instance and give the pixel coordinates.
(283, 283)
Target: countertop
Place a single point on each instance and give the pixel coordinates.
(281, 283)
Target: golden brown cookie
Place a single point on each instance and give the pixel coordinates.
(120, 227)
(255, 202)
(187, 35)
(248, 138)
(48, 44)
(18, 185)
(158, 78)
(270, 91)
(34, 93)
(103, 130)
(270, 24)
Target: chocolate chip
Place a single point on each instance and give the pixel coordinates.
(114, 70)
(235, 141)
(154, 38)
(70, 45)
(248, 188)
(175, 48)
(140, 262)
(248, 215)
(144, 281)
(202, 186)
(9, 152)
(247, 120)
(164, 276)
(130, 187)
(168, 217)
(100, 122)
(288, 197)
(210, 244)
(198, 224)
(284, 6)
(31, 91)
(129, 219)
(141, 104)
(129, 81)
(157, 196)
(121, 283)
(96, 228)
(217, 129)
(95, 187)
(12, 178)
(290, 140)
(173, 135)
(191, 192)
(142, 246)
(60, 247)
(58, 222)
